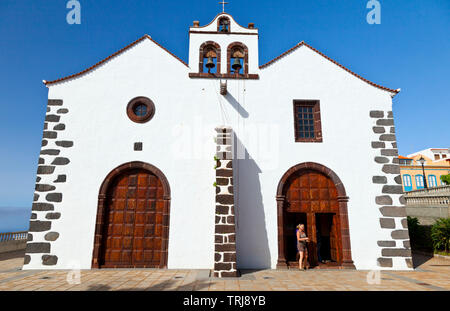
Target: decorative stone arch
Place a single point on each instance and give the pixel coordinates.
(231, 49)
(204, 49)
(347, 261)
(99, 225)
(219, 22)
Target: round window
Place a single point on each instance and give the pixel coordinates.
(140, 109)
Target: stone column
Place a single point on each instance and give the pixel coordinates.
(225, 228)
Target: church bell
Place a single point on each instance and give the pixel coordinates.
(236, 65)
(210, 64)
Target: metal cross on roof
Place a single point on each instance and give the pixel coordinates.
(223, 5)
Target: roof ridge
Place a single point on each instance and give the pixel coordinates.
(146, 36)
(331, 60)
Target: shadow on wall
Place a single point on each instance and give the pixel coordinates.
(236, 105)
(252, 245)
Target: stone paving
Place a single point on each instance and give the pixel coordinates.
(431, 274)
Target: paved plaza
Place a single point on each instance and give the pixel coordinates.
(431, 274)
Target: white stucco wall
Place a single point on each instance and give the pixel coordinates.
(179, 141)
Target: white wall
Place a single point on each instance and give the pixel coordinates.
(179, 141)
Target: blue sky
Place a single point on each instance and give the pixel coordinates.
(409, 50)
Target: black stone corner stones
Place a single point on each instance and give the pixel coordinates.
(42, 207)
(50, 151)
(376, 114)
(45, 169)
(392, 189)
(60, 178)
(395, 252)
(44, 187)
(387, 223)
(383, 200)
(393, 211)
(64, 143)
(49, 260)
(51, 236)
(387, 137)
(43, 246)
(379, 179)
(52, 118)
(33, 248)
(59, 127)
(55, 102)
(391, 169)
(385, 122)
(49, 134)
(381, 160)
(385, 262)
(53, 216)
(378, 144)
(40, 226)
(400, 234)
(60, 161)
(54, 197)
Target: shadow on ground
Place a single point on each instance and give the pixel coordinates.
(419, 259)
(168, 284)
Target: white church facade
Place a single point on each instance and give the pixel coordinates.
(147, 161)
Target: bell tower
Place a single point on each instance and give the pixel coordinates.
(223, 49)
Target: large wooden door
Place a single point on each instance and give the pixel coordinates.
(133, 229)
(313, 193)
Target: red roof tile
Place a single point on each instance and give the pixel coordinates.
(111, 56)
(331, 60)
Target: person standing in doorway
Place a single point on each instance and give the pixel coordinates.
(302, 239)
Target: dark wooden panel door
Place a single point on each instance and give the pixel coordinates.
(311, 191)
(133, 221)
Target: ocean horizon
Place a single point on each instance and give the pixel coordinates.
(14, 219)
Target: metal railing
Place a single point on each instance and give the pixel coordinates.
(13, 236)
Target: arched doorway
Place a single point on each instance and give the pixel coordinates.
(132, 228)
(313, 194)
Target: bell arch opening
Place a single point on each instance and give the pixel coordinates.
(223, 24)
(237, 58)
(209, 54)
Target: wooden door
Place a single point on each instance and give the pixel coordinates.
(133, 232)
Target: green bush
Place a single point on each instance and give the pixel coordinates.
(446, 179)
(440, 234)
